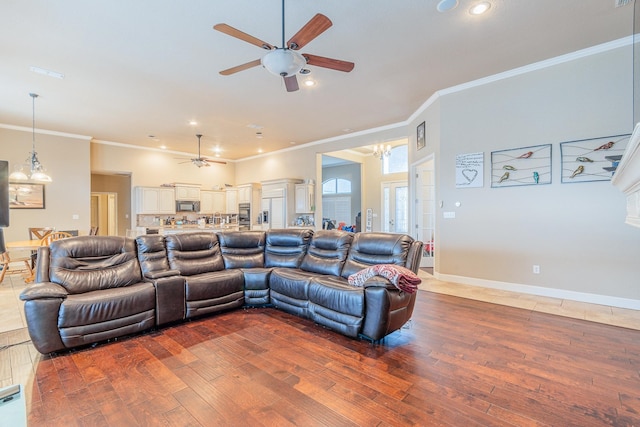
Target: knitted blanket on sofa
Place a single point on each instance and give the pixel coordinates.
(401, 277)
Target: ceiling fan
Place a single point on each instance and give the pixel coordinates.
(286, 61)
(202, 161)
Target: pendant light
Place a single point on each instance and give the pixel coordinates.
(36, 170)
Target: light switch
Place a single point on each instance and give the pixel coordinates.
(75, 216)
(448, 214)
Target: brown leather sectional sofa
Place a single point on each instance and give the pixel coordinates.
(91, 288)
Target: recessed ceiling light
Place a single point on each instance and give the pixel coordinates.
(193, 123)
(259, 150)
(446, 5)
(309, 82)
(259, 135)
(480, 8)
(163, 147)
(292, 142)
(254, 126)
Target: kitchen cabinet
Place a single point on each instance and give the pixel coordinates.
(305, 198)
(155, 200)
(212, 202)
(232, 200)
(187, 192)
(244, 193)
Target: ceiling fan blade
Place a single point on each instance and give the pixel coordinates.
(242, 67)
(234, 32)
(334, 64)
(291, 83)
(316, 26)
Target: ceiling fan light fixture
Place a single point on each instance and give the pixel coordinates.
(283, 62)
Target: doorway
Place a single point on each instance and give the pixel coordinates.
(104, 213)
(426, 211)
(395, 207)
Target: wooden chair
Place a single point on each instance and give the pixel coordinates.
(37, 233)
(54, 235)
(93, 231)
(5, 260)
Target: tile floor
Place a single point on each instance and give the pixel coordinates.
(12, 314)
(578, 310)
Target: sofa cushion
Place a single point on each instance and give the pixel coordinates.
(99, 315)
(336, 304)
(327, 252)
(152, 255)
(91, 263)
(214, 291)
(242, 249)
(289, 289)
(286, 247)
(369, 249)
(194, 253)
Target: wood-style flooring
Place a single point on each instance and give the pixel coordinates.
(460, 363)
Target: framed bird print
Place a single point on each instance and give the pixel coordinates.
(589, 160)
(521, 166)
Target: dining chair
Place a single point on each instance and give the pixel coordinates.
(93, 231)
(37, 233)
(54, 235)
(5, 260)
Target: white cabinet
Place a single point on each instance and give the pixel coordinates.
(155, 200)
(212, 202)
(232, 200)
(187, 192)
(244, 193)
(305, 202)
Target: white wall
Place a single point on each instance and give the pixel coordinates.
(66, 159)
(575, 232)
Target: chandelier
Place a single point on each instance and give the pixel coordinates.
(381, 152)
(36, 169)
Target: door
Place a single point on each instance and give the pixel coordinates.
(104, 213)
(426, 211)
(395, 207)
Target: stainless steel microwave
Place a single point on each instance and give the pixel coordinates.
(187, 206)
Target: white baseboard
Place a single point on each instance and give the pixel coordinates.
(632, 304)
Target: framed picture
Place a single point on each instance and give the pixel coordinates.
(26, 196)
(421, 140)
(588, 160)
(521, 166)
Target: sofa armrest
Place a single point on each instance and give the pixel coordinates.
(378, 282)
(160, 274)
(43, 290)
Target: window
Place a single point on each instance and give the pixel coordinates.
(336, 186)
(398, 160)
(336, 200)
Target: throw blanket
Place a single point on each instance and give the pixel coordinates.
(401, 277)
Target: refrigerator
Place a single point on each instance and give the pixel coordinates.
(273, 213)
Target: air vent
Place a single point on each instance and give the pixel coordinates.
(620, 3)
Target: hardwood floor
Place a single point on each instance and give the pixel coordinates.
(461, 363)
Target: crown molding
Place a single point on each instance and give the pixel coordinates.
(45, 132)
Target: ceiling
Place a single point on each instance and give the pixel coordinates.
(136, 72)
